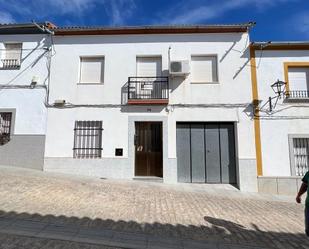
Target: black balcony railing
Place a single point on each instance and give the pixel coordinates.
(10, 63)
(297, 94)
(148, 88)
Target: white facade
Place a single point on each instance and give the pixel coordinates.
(222, 101)
(26, 104)
(288, 119)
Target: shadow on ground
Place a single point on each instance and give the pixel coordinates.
(214, 230)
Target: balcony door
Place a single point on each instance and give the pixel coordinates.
(148, 69)
(149, 66)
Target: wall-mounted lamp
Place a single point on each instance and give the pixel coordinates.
(34, 81)
(278, 87)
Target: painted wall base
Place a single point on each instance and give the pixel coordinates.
(279, 185)
(115, 168)
(25, 151)
(247, 175)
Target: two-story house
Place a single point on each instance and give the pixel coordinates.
(280, 80)
(25, 54)
(171, 102)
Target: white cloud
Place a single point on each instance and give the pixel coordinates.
(119, 10)
(211, 10)
(6, 17)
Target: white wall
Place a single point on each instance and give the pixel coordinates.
(226, 100)
(289, 118)
(29, 103)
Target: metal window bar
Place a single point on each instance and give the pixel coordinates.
(301, 155)
(10, 63)
(5, 127)
(148, 88)
(297, 94)
(87, 139)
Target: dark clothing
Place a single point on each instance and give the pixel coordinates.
(306, 180)
(307, 221)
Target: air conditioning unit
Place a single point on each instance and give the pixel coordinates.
(179, 68)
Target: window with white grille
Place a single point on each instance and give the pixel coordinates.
(12, 55)
(5, 127)
(204, 69)
(87, 139)
(91, 70)
(300, 155)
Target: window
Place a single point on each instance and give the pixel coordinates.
(12, 55)
(91, 70)
(5, 127)
(298, 81)
(204, 69)
(149, 66)
(87, 139)
(299, 147)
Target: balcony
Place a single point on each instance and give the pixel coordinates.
(301, 95)
(148, 90)
(10, 63)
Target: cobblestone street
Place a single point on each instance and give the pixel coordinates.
(214, 214)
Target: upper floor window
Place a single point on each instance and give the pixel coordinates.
(87, 139)
(91, 70)
(297, 80)
(5, 127)
(12, 55)
(204, 69)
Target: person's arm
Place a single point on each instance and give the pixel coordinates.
(302, 190)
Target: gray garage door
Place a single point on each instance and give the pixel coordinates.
(206, 152)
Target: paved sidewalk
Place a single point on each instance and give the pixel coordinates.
(11, 241)
(24, 227)
(134, 214)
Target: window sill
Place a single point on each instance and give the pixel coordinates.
(210, 83)
(295, 100)
(85, 83)
(10, 68)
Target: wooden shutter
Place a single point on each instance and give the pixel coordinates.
(298, 78)
(92, 70)
(204, 69)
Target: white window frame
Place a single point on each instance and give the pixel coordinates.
(217, 67)
(80, 69)
(291, 148)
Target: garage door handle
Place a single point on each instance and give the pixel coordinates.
(208, 151)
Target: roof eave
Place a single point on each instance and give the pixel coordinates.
(149, 30)
(303, 45)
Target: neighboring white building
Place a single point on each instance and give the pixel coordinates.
(116, 111)
(282, 126)
(24, 58)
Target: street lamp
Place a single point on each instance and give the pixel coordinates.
(278, 87)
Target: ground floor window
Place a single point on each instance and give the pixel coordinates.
(300, 155)
(5, 127)
(87, 139)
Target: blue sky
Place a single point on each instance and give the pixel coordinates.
(276, 19)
